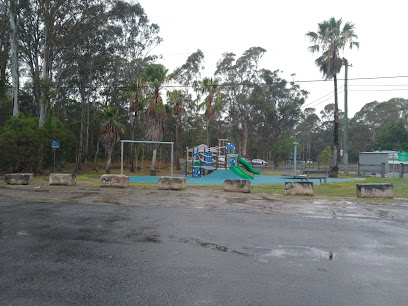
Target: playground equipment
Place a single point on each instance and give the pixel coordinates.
(295, 161)
(204, 159)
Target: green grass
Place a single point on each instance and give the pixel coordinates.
(332, 190)
(341, 189)
(348, 189)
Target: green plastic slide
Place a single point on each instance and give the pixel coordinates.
(241, 173)
(247, 166)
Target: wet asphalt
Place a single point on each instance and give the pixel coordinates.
(76, 254)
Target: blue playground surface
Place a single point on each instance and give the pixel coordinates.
(217, 177)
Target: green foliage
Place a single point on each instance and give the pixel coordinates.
(329, 39)
(26, 147)
(325, 157)
(6, 110)
(392, 137)
(283, 148)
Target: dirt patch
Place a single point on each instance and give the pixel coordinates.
(202, 198)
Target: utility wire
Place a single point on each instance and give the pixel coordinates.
(308, 105)
(220, 85)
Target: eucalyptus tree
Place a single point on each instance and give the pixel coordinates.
(393, 136)
(44, 33)
(239, 75)
(136, 37)
(14, 11)
(307, 130)
(275, 109)
(109, 134)
(371, 117)
(4, 47)
(188, 76)
(156, 76)
(176, 99)
(212, 101)
(330, 39)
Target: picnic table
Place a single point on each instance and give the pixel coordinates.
(312, 174)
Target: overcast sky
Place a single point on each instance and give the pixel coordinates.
(218, 26)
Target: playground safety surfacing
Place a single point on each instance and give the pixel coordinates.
(217, 177)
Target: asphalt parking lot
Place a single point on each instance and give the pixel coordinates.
(140, 246)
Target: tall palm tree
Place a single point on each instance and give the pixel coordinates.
(175, 99)
(330, 39)
(136, 93)
(156, 76)
(213, 100)
(109, 134)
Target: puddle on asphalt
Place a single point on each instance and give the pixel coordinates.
(236, 200)
(213, 246)
(382, 213)
(265, 254)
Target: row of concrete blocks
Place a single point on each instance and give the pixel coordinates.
(173, 183)
(178, 183)
(371, 190)
(121, 181)
(27, 179)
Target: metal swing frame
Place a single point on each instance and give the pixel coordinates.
(148, 142)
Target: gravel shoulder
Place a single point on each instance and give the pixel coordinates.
(205, 198)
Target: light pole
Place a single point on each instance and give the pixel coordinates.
(345, 139)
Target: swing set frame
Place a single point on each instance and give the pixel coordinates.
(122, 142)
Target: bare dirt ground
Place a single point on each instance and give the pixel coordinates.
(204, 198)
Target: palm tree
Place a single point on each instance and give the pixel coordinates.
(136, 91)
(109, 133)
(156, 76)
(330, 39)
(176, 100)
(213, 100)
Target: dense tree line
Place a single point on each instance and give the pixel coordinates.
(89, 78)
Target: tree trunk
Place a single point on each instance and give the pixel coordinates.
(208, 132)
(132, 137)
(14, 56)
(86, 147)
(244, 140)
(44, 101)
(108, 159)
(81, 132)
(334, 170)
(176, 153)
(4, 42)
(96, 167)
(153, 166)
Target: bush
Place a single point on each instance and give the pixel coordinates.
(325, 157)
(26, 147)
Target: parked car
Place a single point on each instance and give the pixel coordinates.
(246, 159)
(258, 161)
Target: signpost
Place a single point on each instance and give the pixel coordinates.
(55, 145)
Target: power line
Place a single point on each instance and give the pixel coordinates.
(330, 93)
(397, 89)
(324, 100)
(222, 84)
(380, 85)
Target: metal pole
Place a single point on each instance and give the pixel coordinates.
(171, 171)
(345, 141)
(121, 158)
(294, 157)
(54, 159)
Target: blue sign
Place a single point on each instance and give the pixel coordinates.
(55, 144)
